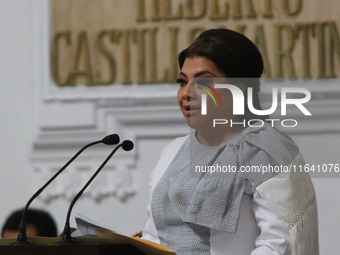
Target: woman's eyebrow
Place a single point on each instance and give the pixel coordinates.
(181, 73)
(202, 73)
(198, 74)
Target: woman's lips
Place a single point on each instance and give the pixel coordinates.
(191, 110)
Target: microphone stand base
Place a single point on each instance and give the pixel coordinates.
(66, 240)
(21, 243)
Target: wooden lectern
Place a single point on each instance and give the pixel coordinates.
(106, 243)
(86, 246)
(72, 249)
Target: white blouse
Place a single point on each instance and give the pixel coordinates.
(260, 231)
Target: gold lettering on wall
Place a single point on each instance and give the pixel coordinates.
(251, 11)
(304, 30)
(82, 65)
(334, 47)
(168, 15)
(173, 70)
(55, 51)
(141, 61)
(218, 13)
(268, 9)
(107, 42)
(153, 59)
(192, 6)
(123, 38)
(107, 54)
(289, 10)
(141, 11)
(155, 10)
(321, 41)
(237, 9)
(284, 54)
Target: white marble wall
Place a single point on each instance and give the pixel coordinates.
(42, 126)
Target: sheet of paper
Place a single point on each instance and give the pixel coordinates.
(87, 226)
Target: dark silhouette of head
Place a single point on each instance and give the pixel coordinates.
(38, 223)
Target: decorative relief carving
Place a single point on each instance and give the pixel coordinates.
(114, 180)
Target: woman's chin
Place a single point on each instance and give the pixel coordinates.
(199, 123)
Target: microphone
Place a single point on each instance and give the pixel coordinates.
(127, 145)
(22, 237)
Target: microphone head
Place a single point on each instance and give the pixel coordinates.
(111, 139)
(127, 145)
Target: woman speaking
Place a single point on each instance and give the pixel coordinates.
(205, 198)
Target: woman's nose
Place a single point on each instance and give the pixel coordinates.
(186, 93)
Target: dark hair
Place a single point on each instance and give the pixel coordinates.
(235, 56)
(43, 222)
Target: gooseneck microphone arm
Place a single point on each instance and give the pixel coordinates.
(22, 237)
(127, 146)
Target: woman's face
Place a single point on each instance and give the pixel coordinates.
(189, 96)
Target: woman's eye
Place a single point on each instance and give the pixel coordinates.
(181, 82)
